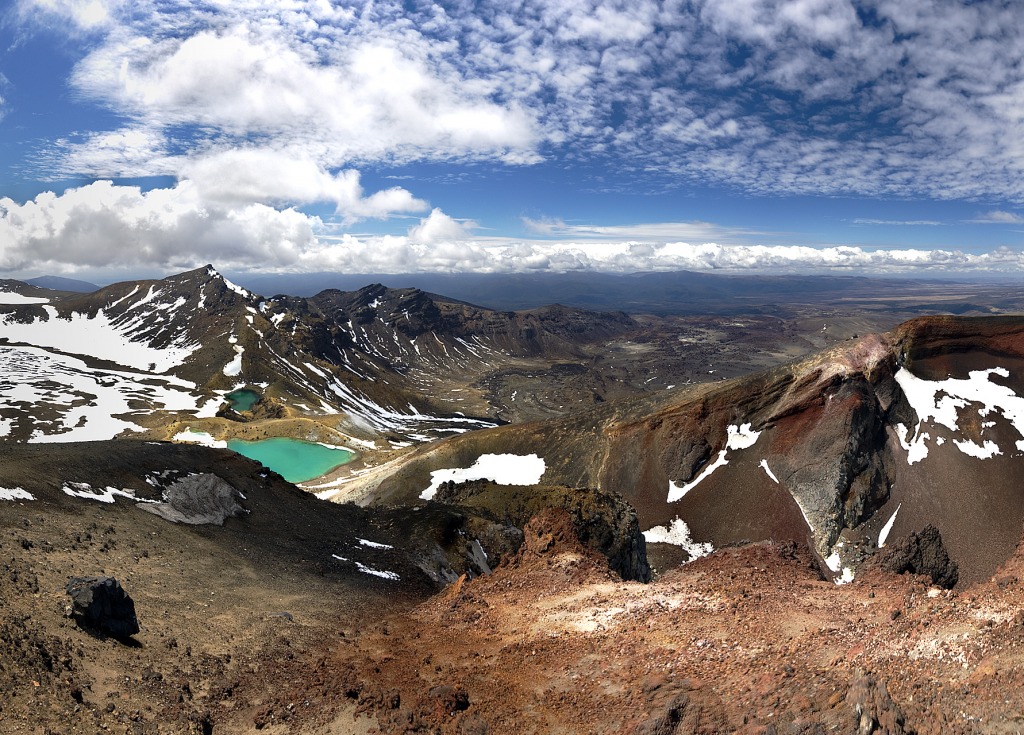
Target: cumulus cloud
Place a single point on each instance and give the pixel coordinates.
(101, 225)
(438, 227)
(259, 108)
(239, 175)
(106, 226)
(348, 97)
(773, 96)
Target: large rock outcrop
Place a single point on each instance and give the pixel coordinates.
(197, 500)
(603, 521)
(922, 553)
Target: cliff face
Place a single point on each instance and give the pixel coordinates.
(870, 440)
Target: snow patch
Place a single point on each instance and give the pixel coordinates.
(504, 469)
(17, 299)
(887, 528)
(677, 533)
(234, 367)
(99, 337)
(768, 470)
(939, 402)
(199, 437)
(87, 404)
(982, 451)
(373, 544)
(833, 561)
(15, 493)
(737, 437)
(84, 490)
(383, 574)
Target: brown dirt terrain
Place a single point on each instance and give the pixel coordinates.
(748, 640)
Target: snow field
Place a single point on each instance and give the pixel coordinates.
(504, 469)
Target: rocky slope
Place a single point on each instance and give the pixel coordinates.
(869, 440)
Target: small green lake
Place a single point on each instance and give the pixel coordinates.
(242, 399)
(295, 460)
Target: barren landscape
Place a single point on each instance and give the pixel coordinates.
(640, 523)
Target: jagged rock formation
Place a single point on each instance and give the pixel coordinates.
(603, 521)
(922, 553)
(379, 357)
(197, 500)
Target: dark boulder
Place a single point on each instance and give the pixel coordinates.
(922, 553)
(101, 603)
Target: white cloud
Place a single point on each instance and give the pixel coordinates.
(438, 227)
(102, 225)
(345, 98)
(239, 175)
(998, 217)
(898, 222)
(87, 15)
(105, 226)
(258, 106)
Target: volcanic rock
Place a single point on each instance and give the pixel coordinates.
(873, 710)
(922, 553)
(101, 603)
(603, 521)
(197, 500)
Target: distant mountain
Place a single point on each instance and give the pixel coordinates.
(372, 362)
(59, 283)
(874, 438)
(672, 293)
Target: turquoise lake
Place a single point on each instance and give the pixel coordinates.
(242, 399)
(295, 460)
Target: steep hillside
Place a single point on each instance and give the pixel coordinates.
(856, 445)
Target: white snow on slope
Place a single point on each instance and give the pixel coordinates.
(504, 469)
(373, 544)
(234, 368)
(84, 490)
(940, 401)
(883, 535)
(12, 298)
(199, 437)
(63, 399)
(15, 493)
(677, 533)
(768, 470)
(97, 337)
(384, 574)
(738, 437)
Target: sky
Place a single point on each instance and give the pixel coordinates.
(144, 137)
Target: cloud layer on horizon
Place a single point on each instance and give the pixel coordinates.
(105, 227)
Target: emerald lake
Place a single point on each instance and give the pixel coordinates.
(295, 460)
(242, 399)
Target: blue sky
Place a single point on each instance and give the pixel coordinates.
(140, 137)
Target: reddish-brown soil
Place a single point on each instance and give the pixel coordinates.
(747, 640)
